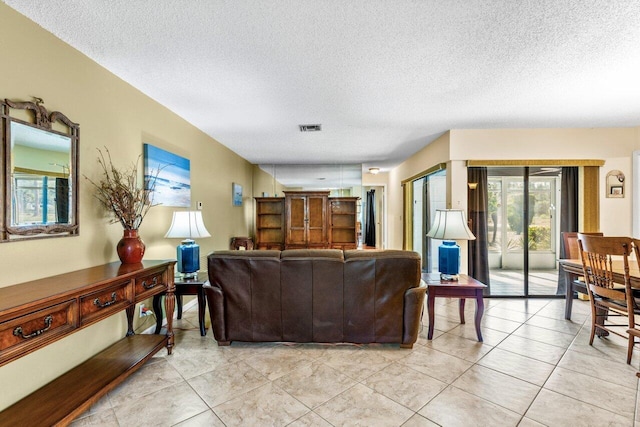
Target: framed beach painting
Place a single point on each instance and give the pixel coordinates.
(236, 194)
(173, 182)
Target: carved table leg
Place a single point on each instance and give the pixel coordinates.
(130, 311)
(431, 299)
(461, 309)
(169, 305)
(479, 313)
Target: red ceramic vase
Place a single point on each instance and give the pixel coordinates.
(131, 247)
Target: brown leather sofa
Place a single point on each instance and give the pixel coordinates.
(320, 295)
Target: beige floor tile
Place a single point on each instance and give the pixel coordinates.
(547, 336)
(580, 386)
(454, 407)
(278, 362)
(558, 313)
(315, 383)
(533, 349)
(454, 345)
(505, 313)
(419, 421)
(436, 364)
(205, 419)
(357, 364)
(266, 405)
(361, 406)
(106, 418)
(490, 337)
(524, 305)
(442, 323)
(424, 333)
(406, 386)
(502, 325)
(616, 372)
(554, 409)
(226, 383)
(528, 422)
(501, 389)
(198, 361)
(567, 326)
(319, 350)
(518, 366)
(165, 407)
(310, 420)
(150, 378)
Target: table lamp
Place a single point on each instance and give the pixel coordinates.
(449, 225)
(188, 226)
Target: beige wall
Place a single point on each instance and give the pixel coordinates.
(111, 114)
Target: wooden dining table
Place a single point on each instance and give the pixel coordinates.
(574, 266)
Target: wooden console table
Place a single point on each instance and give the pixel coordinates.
(37, 313)
(465, 287)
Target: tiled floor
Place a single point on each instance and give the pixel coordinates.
(534, 368)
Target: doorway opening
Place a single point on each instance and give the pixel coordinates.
(429, 194)
(523, 230)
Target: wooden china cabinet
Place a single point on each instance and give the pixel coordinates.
(306, 220)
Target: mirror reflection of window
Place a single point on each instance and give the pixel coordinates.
(40, 174)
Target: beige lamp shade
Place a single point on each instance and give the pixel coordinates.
(450, 224)
(187, 224)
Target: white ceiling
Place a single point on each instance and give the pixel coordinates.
(384, 78)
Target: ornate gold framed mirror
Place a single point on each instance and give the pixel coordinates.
(40, 179)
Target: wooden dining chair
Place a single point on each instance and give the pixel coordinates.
(610, 293)
(245, 243)
(634, 331)
(574, 282)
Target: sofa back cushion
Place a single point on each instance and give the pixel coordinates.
(374, 293)
(312, 294)
(250, 281)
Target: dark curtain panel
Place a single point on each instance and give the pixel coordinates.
(568, 215)
(370, 220)
(479, 248)
(62, 200)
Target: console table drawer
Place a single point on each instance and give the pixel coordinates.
(105, 302)
(21, 335)
(152, 284)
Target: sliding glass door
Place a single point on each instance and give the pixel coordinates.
(429, 194)
(522, 226)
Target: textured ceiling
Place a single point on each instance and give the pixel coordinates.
(384, 78)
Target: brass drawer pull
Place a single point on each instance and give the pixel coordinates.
(106, 303)
(47, 322)
(154, 282)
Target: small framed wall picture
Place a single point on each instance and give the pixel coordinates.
(616, 191)
(236, 194)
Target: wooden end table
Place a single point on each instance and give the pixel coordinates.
(465, 287)
(185, 287)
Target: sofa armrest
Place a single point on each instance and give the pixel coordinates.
(413, 306)
(215, 303)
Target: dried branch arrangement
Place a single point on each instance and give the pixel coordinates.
(119, 193)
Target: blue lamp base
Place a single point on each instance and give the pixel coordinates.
(449, 261)
(189, 258)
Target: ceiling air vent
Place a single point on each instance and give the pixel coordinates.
(310, 128)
